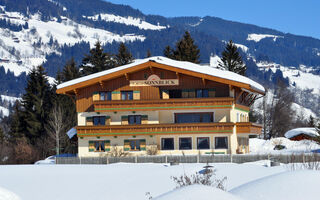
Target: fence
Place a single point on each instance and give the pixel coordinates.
(294, 158)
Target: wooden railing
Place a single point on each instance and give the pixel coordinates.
(167, 129)
(248, 127)
(163, 104)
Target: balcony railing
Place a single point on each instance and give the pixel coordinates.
(166, 129)
(248, 127)
(163, 104)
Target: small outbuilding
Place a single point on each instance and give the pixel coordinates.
(298, 134)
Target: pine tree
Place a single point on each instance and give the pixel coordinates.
(124, 56)
(185, 50)
(17, 124)
(69, 72)
(96, 61)
(231, 59)
(36, 103)
(168, 52)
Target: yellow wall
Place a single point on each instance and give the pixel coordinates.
(83, 146)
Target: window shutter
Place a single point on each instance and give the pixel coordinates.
(136, 95)
(212, 92)
(107, 146)
(89, 121)
(96, 96)
(144, 119)
(192, 93)
(165, 94)
(91, 146)
(124, 120)
(115, 95)
(126, 145)
(143, 144)
(108, 120)
(185, 93)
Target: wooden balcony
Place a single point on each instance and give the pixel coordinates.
(167, 129)
(248, 127)
(163, 104)
(154, 129)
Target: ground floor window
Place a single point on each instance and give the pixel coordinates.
(221, 143)
(203, 143)
(134, 145)
(167, 144)
(185, 143)
(97, 146)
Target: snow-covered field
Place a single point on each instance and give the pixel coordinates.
(134, 181)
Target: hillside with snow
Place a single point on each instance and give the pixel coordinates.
(53, 32)
(20, 51)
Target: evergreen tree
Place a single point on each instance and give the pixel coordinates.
(168, 52)
(17, 124)
(148, 54)
(36, 103)
(124, 56)
(231, 59)
(69, 72)
(96, 61)
(186, 50)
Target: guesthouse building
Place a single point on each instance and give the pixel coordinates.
(176, 107)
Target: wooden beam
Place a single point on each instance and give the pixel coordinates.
(204, 81)
(177, 74)
(248, 98)
(252, 101)
(75, 91)
(244, 96)
(127, 76)
(239, 95)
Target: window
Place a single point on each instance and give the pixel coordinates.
(105, 96)
(134, 145)
(126, 95)
(202, 93)
(99, 146)
(221, 143)
(175, 94)
(185, 143)
(167, 144)
(193, 117)
(99, 120)
(203, 143)
(134, 119)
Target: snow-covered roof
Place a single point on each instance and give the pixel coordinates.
(204, 69)
(312, 132)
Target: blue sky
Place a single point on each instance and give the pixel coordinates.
(300, 17)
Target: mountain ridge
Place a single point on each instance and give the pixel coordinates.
(35, 32)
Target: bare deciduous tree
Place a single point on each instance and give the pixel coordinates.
(56, 126)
